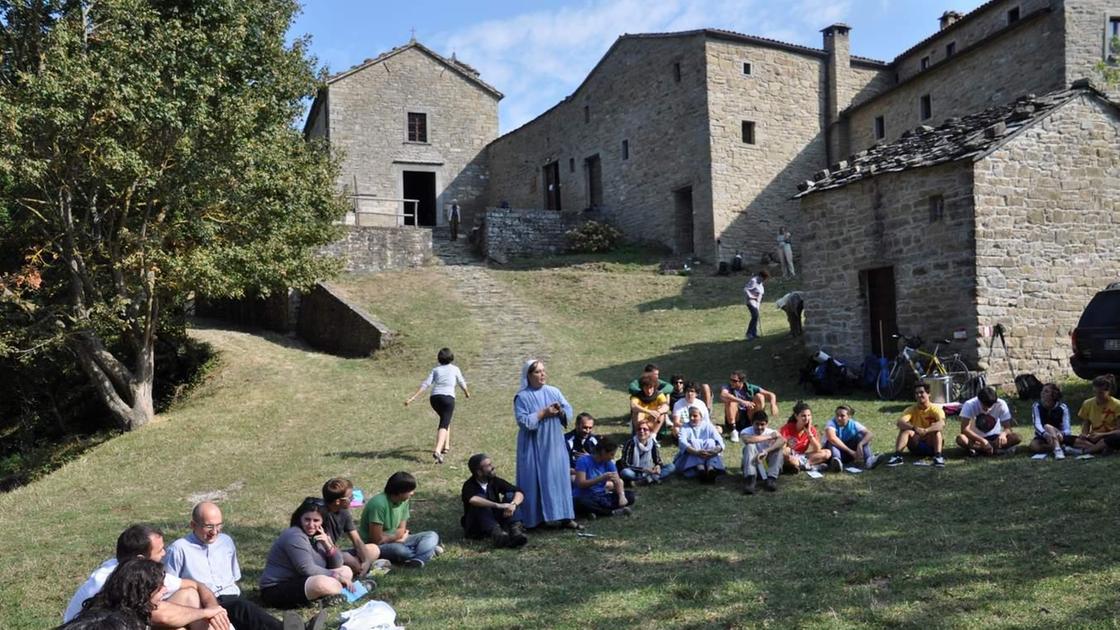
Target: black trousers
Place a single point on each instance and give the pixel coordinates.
(479, 522)
(602, 504)
(246, 615)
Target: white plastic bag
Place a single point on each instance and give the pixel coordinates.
(375, 615)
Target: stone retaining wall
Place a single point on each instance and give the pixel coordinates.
(519, 232)
(331, 323)
(370, 249)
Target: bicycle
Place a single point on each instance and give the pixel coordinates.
(914, 363)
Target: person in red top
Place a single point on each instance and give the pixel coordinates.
(803, 444)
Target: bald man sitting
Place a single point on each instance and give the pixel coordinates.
(209, 557)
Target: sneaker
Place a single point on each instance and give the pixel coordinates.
(895, 460)
(382, 564)
(438, 551)
(834, 465)
(370, 585)
(939, 461)
(770, 484)
(414, 563)
(750, 487)
(973, 452)
(500, 539)
(1059, 454)
(622, 511)
(318, 622)
(872, 462)
(735, 436)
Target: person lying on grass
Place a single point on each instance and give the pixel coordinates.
(641, 459)
(741, 399)
(849, 441)
(700, 445)
(920, 429)
(1100, 432)
(649, 406)
(384, 523)
(680, 409)
(597, 490)
(762, 454)
(985, 425)
(1052, 430)
(304, 565)
(803, 450)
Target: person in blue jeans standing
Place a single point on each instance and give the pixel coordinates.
(384, 523)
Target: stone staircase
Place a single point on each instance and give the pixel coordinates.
(449, 252)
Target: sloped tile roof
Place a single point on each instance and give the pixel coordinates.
(958, 138)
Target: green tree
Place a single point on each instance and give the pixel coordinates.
(147, 154)
(1109, 69)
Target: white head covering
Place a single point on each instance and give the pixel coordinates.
(525, 373)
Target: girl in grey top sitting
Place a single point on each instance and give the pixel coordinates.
(303, 564)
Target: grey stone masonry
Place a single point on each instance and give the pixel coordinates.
(518, 232)
(368, 249)
(1048, 233)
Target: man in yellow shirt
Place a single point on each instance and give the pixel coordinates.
(1100, 418)
(919, 429)
(650, 406)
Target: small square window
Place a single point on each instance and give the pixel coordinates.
(747, 69)
(925, 62)
(677, 72)
(626, 149)
(880, 128)
(748, 132)
(417, 127)
(571, 165)
(586, 113)
(936, 208)
(950, 49)
(926, 105)
(1013, 15)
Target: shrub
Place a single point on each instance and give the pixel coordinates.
(592, 237)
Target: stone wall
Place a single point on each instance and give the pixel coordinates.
(752, 183)
(886, 222)
(1026, 59)
(981, 23)
(277, 312)
(1086, 24)
(632, 95)
(523, 232)
(369, 249)
(367, 124)
(331, 323)
(1048, 221)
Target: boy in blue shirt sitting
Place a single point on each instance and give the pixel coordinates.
(597, 489)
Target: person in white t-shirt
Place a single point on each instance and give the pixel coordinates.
(186, 603)
(681, 407)
(442, 379)
(986, 425)
(762, 454)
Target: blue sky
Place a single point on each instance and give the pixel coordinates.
(537, 52)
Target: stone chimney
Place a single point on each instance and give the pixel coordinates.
(838, 94)
(949, 18)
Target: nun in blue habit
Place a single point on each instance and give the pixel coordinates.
(542, 457)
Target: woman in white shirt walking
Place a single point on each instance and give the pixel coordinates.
(442, 380)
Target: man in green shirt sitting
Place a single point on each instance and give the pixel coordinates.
(384, 523)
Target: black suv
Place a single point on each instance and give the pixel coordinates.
(1096, 340)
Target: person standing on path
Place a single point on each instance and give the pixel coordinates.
(785, 252)
(454, 215)
(754, 292)
(442, 380)
(542, 412)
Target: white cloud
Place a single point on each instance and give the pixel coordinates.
(538, 58)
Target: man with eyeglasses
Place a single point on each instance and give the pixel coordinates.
(209, 557)
(740, 400)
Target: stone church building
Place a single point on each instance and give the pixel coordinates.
(702, 141)
(409, 124)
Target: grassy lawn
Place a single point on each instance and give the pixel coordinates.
(1007, 542)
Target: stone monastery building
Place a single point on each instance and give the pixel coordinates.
(923, 195)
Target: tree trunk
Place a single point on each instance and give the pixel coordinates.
(127, 393)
